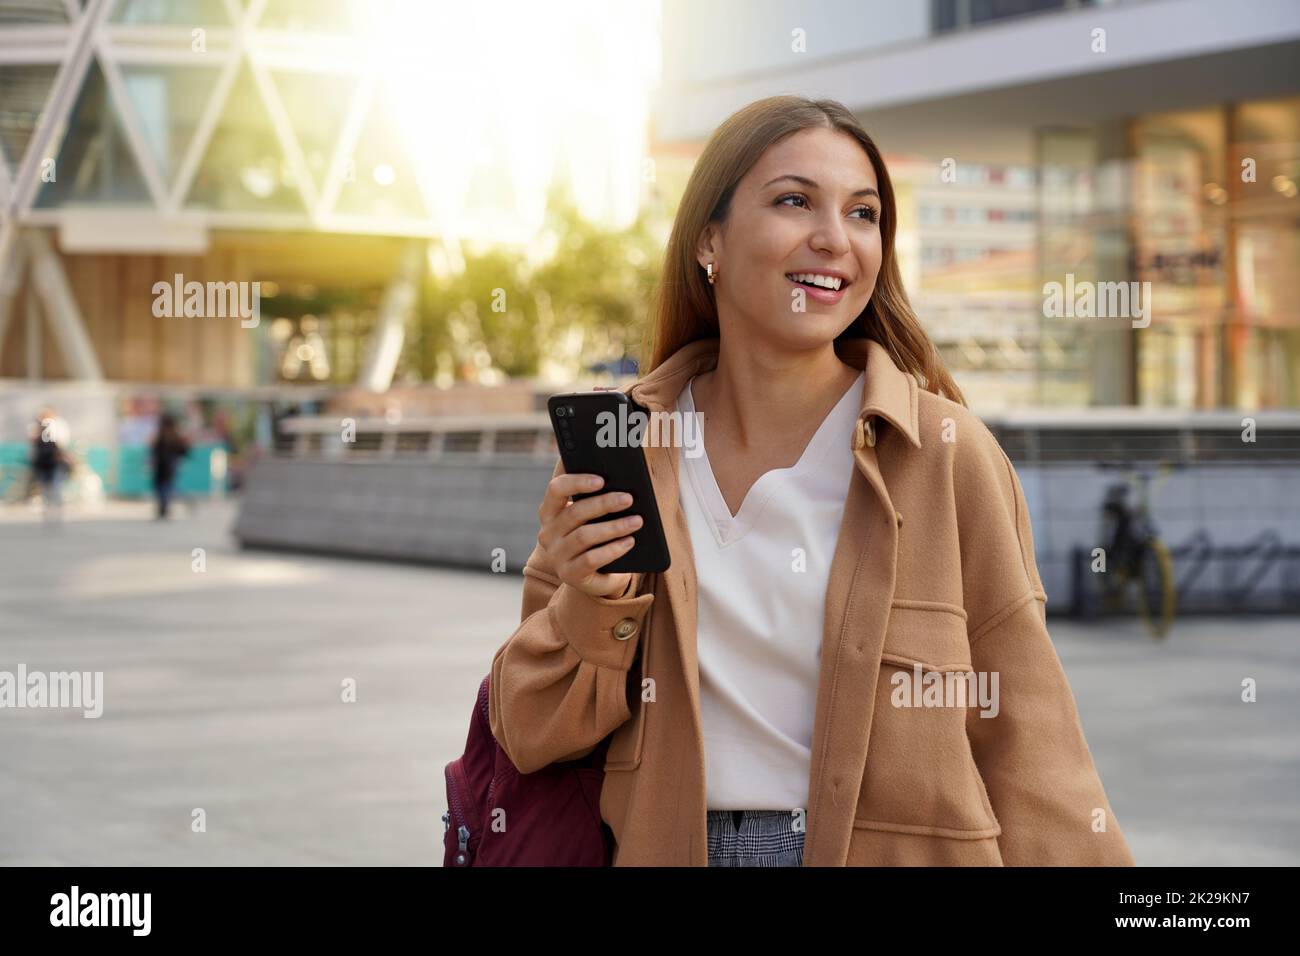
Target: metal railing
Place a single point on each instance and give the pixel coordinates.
(528, 436)
(1038, 437)
(1045, 437)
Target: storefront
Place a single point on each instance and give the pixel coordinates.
(1197, 209)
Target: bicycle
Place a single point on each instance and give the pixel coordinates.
(1135, 553)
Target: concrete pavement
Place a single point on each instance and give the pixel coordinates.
(223, 692)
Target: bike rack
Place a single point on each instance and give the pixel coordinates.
(1241, 570)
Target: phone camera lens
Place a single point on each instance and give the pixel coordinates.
(568, 443)
(559, 411)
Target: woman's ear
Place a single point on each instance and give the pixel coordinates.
(706, 250)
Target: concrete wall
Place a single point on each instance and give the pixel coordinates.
(454, 513)
(457, 513)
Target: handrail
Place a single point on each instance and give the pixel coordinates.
(322, 424)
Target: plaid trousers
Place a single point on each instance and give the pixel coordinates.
(758, 838)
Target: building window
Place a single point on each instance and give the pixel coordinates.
(949, 15)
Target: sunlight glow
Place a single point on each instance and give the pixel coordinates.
(498, 99)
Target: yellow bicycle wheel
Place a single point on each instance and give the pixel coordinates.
(1157, 594)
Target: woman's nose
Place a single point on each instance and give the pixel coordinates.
(830, 236)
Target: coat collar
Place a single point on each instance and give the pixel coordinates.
(889, 392)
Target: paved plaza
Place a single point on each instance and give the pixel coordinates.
(223, 691)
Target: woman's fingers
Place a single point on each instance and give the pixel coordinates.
(566, 547)
(576, 543)
(587, 562)
(559, 522)
(588, 536)
(560, 489)
(588, 509)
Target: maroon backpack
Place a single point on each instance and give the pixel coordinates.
(552, 816)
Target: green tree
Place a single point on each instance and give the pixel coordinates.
(579, 283)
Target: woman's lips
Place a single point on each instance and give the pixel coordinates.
(829, 296)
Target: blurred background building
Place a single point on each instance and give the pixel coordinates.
(315, 148)
(386, 172)
(1115, 161)
(443, 221)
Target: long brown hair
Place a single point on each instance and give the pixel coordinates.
(684, 309)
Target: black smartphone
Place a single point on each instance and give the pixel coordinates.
(591, 429)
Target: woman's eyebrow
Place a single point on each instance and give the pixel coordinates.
(804, 180)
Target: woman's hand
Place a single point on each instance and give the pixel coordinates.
(576, 548)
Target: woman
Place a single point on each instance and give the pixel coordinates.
(168, 450)
(764, 714)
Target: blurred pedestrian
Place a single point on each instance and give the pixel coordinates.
(50, 460)
(169, 447)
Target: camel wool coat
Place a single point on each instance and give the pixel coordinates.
(933, 572)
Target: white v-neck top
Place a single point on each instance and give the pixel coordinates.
(762, 577)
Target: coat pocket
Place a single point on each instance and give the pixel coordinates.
(627, 742)
(920, 776)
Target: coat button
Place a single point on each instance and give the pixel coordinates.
(625, 629)
(871, 431)
(898, 516)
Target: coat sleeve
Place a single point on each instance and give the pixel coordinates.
(1035, 763)
(559, 684)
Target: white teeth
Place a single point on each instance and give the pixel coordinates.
(826, 282)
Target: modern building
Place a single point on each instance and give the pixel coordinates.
(314, 157)
(1040, 141)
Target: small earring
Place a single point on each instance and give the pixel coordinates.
(712, 275)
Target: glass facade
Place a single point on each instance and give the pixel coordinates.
(1201, 204)
(1179, 247)
(949, 15)
(23, 90)
(243, 169)
(171, 12)
(967, 241)
(95, 164)
(1261, 333)
(32, 12)
(169, 102)
(1217, 236)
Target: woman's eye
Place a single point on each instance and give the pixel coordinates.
(871, 214)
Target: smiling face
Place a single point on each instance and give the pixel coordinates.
(805, 214)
